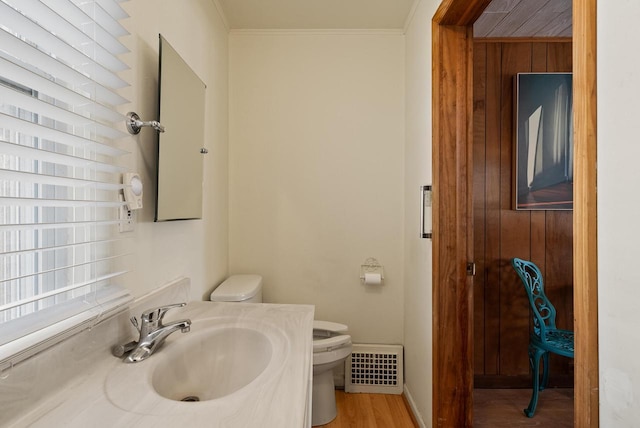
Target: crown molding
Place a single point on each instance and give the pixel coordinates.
(221, 13)
(410, 16)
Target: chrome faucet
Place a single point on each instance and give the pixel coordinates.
(152, 333)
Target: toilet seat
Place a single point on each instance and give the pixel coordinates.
(326, 337)
(331, 343)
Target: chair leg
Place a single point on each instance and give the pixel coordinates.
(534, 359)
(545, 371)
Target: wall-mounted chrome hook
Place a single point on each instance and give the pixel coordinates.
(134, 124)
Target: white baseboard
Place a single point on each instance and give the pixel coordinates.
(414, 409)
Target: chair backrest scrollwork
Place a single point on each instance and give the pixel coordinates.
(544, 314)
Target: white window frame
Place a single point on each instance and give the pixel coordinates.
(59, 122)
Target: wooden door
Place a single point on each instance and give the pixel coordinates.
(501, 309)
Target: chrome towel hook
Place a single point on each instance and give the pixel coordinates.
(134, 124)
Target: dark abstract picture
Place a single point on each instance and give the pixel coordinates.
(544, 142)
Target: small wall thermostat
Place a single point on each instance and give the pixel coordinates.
(132, 190)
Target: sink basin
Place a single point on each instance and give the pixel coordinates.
(220, 361)
(211, 364)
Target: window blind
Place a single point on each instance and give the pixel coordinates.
(61, 253)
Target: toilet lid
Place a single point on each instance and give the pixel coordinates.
(330, 343)
(237, 288)
(326, 335)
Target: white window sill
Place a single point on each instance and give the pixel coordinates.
(24, 347)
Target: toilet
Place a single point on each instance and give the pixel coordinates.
(331, 346)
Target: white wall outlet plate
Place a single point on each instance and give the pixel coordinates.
(126, 218)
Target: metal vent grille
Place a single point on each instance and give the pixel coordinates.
(375, 369)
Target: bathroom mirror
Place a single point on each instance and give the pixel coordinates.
(181, 147)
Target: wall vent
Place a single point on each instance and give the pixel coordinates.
(375, 369)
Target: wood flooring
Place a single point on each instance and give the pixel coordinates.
(503, 408)
(371, 411)
(493, 408)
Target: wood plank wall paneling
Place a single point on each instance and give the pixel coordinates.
(479, 205)
(515, 230)
(501, 318)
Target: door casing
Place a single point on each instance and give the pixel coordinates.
(452, 207)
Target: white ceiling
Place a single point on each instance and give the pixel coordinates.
(316, 14)
(502, 18)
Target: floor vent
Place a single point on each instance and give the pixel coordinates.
(375, 369)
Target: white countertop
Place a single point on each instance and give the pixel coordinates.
(112, 395)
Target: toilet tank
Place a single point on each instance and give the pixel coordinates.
(239, 288)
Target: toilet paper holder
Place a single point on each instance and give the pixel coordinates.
(371, 266)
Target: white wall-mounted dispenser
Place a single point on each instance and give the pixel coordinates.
(132, 190)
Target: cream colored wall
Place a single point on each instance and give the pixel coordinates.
(618, 227)
(319, 170)
(316, 171)
(195, 248)
(418, 169)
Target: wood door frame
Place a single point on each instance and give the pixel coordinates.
(452, 207)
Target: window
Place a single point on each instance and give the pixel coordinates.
(61, 254)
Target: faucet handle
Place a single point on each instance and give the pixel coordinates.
(156, 314)
(134, 321)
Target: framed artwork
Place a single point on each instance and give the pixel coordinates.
(543, 155)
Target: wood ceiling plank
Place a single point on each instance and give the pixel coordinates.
(502, 6)
(487, 22)
(548, 22)
(518, 17)
(525, 18)
(558, 26)
(557, 6)
(568, 32)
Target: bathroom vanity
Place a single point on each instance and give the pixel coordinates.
(241, 365)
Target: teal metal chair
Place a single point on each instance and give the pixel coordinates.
(545, 337)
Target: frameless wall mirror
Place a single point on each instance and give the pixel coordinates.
(181, 147)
